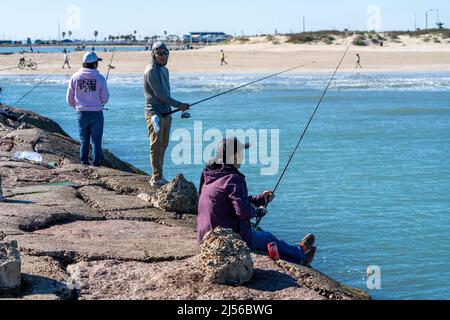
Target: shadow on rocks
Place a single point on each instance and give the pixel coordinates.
(34, 285)
(17, 201)
(271, 281)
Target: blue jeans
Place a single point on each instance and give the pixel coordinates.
(288, 252)
(90, 125)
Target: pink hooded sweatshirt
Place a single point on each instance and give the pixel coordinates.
(88, 90)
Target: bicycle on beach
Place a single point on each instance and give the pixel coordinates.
(28, 64)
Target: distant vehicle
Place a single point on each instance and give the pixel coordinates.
(27, 64)
(206, 37)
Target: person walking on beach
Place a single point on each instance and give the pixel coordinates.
(66, 60)
(224, 202)
(358, 61)
(222, 58)
(88, 93)
(158, 101)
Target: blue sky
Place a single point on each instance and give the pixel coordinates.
(39, 19)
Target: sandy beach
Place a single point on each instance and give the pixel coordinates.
(260, 56)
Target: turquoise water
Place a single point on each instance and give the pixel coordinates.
(69, 49)
(371, 180)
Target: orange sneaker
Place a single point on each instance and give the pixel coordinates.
(309, 257)
(308, 242)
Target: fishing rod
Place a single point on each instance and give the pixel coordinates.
(237, 88)
(258, 220)
(110, 66)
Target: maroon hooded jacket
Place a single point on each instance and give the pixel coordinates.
(224, 202)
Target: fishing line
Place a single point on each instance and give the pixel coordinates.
(237, 88)
(32, 89)
(258, 220)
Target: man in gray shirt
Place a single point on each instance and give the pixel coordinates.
(158, 102)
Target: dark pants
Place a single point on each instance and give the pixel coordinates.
(90, 125)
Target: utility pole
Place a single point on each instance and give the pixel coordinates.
(304, 24)
(437, 15)
(426, 20)
(59, 32)
(415, 21)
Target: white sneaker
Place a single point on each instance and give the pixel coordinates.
(158, 184)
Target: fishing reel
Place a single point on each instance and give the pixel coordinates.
(185, 115)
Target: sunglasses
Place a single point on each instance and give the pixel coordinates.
(162, 53)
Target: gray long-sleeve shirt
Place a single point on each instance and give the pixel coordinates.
(158, 98)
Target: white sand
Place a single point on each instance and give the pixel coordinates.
(261, 56)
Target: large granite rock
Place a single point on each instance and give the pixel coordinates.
(10, 268)
(179, 196)
(225, 258)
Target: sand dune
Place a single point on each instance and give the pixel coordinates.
(261, 56)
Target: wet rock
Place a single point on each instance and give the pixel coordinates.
(225, 258)
(10, 268)
(179, 196)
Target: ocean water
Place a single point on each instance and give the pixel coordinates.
(69, 49)
(371, 180)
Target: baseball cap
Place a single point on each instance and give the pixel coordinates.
(91, 57)
(230, 146)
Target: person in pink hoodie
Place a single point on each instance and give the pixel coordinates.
(88, 93)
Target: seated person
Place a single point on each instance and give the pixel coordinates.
(224, 202)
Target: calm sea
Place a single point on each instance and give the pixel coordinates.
(371, 180)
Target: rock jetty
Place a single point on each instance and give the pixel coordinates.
(87, 234)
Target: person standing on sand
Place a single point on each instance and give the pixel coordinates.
(66, 60)
(358, 61)
(224, 202)
(222, 58)
(88, 93)
(158, 101)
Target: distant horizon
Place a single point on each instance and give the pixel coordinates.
(39, 20)
(245, 35)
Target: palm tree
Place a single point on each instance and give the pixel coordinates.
(70, 34)
(95, 35)
(63, 34)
